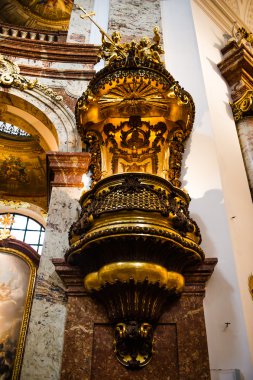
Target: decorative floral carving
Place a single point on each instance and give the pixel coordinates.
(131, 145)
(94, 141)
(176, 148)
(6, 220)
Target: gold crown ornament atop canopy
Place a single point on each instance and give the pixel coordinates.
(134, 116)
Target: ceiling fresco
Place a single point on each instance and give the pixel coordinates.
(22, 168)
(49, 9)
(38, 14)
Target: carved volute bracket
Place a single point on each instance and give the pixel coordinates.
(243, 107)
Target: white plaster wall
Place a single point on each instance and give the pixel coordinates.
(215, 178)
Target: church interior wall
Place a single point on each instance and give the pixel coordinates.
(214, 181)
(237, 197)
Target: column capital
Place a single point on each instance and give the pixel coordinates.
(65, 169)
(237, 68)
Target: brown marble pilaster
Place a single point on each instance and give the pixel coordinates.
(138, 12)
(237, 69)
(43, 350)
(180, 338)
(65, 169)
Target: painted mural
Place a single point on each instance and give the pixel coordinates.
(49, 9)
(22, 169)
(14, 282)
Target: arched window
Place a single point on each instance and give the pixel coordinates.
(25, 229)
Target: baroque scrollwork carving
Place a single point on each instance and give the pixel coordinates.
(133, 343)
(244, 106)
(176, 148)
(93, 140)
(132, 240)
(131, 145)
(131, 191)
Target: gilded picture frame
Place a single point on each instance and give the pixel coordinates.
(16, 251)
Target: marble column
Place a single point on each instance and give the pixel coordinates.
(44, 344)
(144, 15)
(79, 29)
(245, 133)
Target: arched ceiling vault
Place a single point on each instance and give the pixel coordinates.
(38, 14)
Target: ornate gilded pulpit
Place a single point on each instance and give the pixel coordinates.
(135, 245)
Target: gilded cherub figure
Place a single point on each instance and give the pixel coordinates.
(149, 51)
(156, 48)
(112, 49)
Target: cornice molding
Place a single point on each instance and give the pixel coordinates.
(236, 68)
(49, 51)
(221, 14)
(46, 72)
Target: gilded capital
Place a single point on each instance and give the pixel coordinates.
(243, 106)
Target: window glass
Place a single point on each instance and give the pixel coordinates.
(32, 224)
(27, 230)
(19, 222)
(18, 234)
(32, 237)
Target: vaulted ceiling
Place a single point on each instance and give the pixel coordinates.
(38, 14)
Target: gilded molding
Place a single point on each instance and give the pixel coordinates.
(136, 271)
(243, 107)
(10, 77)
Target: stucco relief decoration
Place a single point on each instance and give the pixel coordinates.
(10, 77)
(6, 220)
